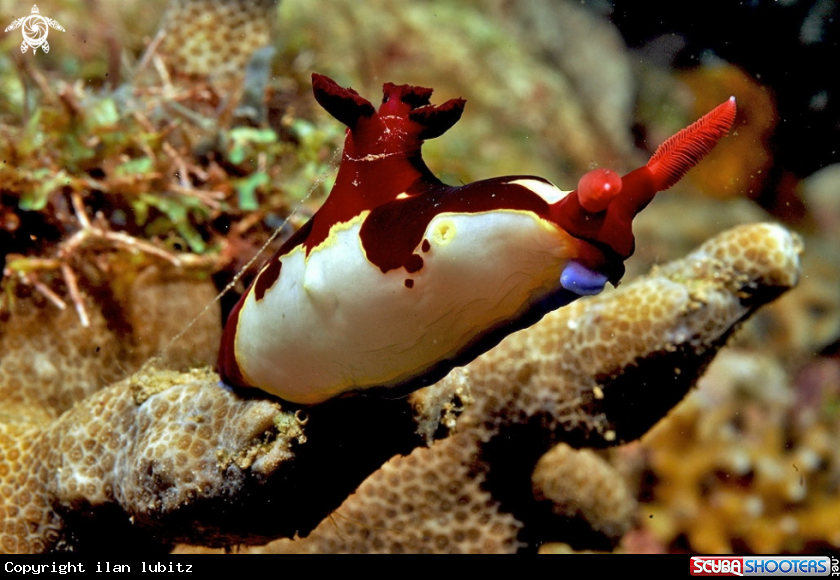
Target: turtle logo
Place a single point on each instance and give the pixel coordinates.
(35, 30)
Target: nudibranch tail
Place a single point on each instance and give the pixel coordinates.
(399, 277)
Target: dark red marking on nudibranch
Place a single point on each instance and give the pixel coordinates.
(269, 274)
(409, 283)
(426, 246)
(267, 277)
(393, 230)
(412, 264)
(229, 369)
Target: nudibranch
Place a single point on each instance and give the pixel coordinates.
(398, 277)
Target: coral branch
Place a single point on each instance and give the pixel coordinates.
(598, 372)
(169, 457)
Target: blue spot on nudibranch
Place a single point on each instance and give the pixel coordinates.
(581, 280)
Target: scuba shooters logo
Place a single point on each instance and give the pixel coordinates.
(716, 566)
(764, 566)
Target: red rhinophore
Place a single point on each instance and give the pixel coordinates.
(612, 225)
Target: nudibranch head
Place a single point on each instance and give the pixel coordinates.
(404, 120)
(399, 277)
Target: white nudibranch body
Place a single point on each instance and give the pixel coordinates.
(333, 322)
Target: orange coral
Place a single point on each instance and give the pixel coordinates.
(739, 166)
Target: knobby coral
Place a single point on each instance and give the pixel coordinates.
(171, 457)
(214, 38)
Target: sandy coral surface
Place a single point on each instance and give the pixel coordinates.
(180, 458)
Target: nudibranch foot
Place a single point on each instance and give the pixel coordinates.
(581, 280)
(399, 277)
